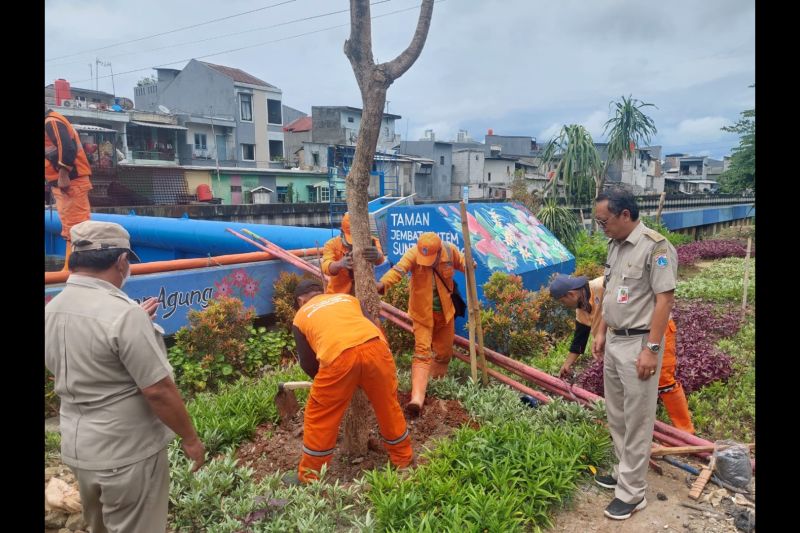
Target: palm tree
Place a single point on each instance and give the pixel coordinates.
(577, 163)
(561, 222)
(628, 128)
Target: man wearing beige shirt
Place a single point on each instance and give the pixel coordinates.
(640, 278)
(119, 405)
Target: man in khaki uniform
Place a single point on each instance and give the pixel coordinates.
(640, 280)
(119, 405)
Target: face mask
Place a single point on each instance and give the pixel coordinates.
(126, 276)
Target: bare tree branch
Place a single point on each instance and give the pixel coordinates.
(399, 65)
(358, 48)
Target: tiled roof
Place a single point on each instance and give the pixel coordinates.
(239, 75)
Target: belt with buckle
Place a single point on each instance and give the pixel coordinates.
(629, 332)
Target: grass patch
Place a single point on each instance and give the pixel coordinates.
(720, 282)
(504, 476)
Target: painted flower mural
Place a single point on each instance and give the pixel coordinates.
(507, 236)
(237, 284)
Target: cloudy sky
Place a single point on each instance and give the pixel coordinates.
(520, 67)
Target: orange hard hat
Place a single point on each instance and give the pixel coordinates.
(428, 246)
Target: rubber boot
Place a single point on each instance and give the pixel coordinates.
(66, 257)
(438, 369)
(677, 408)
(419, 383)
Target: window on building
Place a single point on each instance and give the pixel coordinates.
(236, 188)
(274, 115)
(490, 176)
(200, 141)
(508, 171)
(276, 150)
(324, 194)
(246, 107)
(248, 152)
(350, 119)
(315, 159)
(476, 157)
(441, 160)
(282, 194)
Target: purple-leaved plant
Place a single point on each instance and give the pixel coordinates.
(689, 254)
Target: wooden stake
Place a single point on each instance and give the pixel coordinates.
(473, 361)
(660, 451)
(475, 310)
(746, 276)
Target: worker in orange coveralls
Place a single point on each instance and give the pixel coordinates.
(586, 298)
(431, 264)
(341, 348)
(337, 259)
(67, 171)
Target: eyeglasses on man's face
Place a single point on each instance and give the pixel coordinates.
(602, 222)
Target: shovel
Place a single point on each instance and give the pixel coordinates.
(285, 400)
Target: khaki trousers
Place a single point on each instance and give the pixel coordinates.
(631, 411)
(128, 499)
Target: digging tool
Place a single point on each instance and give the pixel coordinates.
(659, 451)
(285, 400)
(700, 483)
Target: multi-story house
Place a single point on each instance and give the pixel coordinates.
(231, 117)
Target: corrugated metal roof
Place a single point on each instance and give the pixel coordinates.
(157, 125)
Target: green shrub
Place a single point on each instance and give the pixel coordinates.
(52, 445)
(400, 341)
(267, 349)
(510, 326)
(590, 249)
(676, 239)
(283, 298)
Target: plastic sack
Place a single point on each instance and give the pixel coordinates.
(61, 495)
(733, 463)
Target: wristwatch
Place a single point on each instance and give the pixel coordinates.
(653, 347)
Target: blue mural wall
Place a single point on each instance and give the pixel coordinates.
(505, 237)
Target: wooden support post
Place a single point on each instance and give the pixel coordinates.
(473, 361)
(475, 310)
(660, 206)
(746, 276)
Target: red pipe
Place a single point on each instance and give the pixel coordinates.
(184, 264)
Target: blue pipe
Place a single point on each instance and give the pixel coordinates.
(159, 238)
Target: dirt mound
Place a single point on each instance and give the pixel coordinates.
(276, 448)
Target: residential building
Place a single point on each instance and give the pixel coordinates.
(295, 134)
(468, 166)
(692, 174)
(512, 145)
(498, 173)
(80, 98)
(641, 173)
(231, 117)
(291, 114)
(338, 125)
(437, 185)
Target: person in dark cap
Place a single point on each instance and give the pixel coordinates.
(120, 407)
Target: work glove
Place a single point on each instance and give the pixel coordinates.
(372, 254)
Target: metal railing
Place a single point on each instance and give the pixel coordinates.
(153, 156)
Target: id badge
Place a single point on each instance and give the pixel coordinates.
(622, 295)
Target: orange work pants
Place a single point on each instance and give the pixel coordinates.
(370, 366)
(436, 343)
(73, 207)
(669, 390)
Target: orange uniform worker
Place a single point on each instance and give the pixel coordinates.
(337, 260)
(341, 348)
(431, 264)
(67, 170)
(586, 297)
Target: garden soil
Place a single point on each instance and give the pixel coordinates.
(278, 448)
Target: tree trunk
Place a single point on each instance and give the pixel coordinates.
(373, 81)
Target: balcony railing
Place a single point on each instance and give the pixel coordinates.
(152, 156)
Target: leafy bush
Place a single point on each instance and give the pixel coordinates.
(283, 298)
(399, 339)
(52, 445)
(590, 270)
(554, 318)
(561, 222)
(720, 282)
(511, 326)
(688, 254)
(267, 349)
(676, 239)
(590, 249)
(213, 349)
(737, 233)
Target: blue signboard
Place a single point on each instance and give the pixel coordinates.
(505, 237)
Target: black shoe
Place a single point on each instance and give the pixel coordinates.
(607, 482)
(619, 510)
(291, 480)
